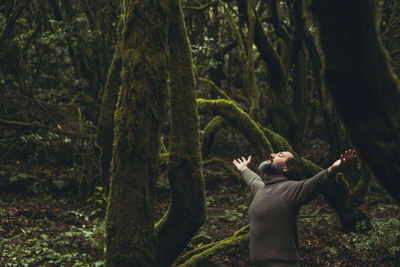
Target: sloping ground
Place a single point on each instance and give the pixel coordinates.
(57, 230)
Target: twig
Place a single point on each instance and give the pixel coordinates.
(202, 7)
(39, 125)
(314, 213)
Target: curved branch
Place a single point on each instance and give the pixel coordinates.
(278, 142)
(222, 163)
(210, 130)
(295, 41)
(276, 21)
(271, 58)
(216, 89)
(240, 120)
(199, 255)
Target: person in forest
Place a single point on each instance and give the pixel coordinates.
(274, 210)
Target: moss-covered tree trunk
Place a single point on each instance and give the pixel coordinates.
(251, 86)
(363, 85)
(187, 209)
(105, 135)
(139, 111)
(281, 113)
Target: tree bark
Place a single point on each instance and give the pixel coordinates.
(365, 89)
(251, 86)
(140, 110)
(106, 121)
(187, 210)
(240, 120)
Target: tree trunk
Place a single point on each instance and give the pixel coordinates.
(251, 86)
(105, 135)
(187, 210)
(140, 109)
(363, 85)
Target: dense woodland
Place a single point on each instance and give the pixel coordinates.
(120, 119)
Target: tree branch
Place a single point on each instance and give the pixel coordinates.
(202, 7)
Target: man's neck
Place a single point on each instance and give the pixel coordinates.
(274, 176)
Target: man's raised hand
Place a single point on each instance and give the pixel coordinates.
(241, 164)
(348, 156)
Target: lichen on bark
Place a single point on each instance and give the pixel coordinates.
(140, 110)
(186, 212)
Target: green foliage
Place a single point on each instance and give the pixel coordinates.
(204, 55)
(43, 243)
(39, 147)
(382, 239)
(87, 248)
(231, 216)
(98, 202)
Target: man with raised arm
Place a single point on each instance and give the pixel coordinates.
(274, 211)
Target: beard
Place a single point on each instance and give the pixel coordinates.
(269, 168)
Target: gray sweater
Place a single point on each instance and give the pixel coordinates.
(274, 212)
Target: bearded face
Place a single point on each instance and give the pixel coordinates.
(269, 167)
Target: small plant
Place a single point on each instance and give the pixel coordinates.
(98, 202)
(383, 238)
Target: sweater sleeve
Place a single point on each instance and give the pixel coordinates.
(301, 192)
(252, 180)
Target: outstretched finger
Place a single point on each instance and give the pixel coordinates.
(236, 163)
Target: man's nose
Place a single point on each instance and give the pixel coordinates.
(273, 155)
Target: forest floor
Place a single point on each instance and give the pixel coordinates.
(54, 229)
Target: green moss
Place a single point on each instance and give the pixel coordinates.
(106, 120)
(278, 142)
(240, 120)
(139, 112)
(187, 209)
(210, 130)
(197, 256)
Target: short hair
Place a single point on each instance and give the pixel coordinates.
(295, 166)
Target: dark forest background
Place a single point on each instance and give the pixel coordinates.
(119, 121)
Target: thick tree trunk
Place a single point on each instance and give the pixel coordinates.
(363, 85)
(140, 109)
(187, 210)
